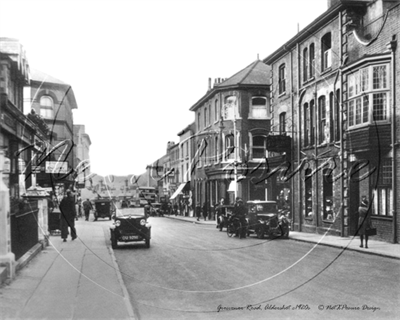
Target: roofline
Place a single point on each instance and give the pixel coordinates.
(215, 90)
(316, 24)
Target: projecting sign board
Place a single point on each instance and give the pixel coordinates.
(56, 167)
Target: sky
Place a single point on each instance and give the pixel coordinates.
(137, 66)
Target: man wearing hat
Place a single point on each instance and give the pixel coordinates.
(364, 221)
(68, 214)
(239, 211)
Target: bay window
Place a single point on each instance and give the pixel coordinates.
(368, 94)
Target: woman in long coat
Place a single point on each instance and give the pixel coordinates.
(364, 221)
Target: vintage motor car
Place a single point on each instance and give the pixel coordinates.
(223, 214)
(130, 224)
(155, 209)
(103, 208)
(264, 219)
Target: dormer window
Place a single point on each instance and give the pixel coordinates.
(258, 108)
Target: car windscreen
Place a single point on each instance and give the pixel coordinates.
(262, 208)
(139, 212)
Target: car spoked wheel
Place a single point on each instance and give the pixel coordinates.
(230, 229)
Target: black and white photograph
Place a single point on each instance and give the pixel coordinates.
(199, 159)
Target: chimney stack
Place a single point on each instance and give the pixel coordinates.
(209, 83)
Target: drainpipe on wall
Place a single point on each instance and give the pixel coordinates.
(392, 45)
(298, 144)
(341, 129)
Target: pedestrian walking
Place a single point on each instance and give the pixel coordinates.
(205, 210)
(175, 209)
(68, 214)
(364, 221)
(198, 212)
(87, 206)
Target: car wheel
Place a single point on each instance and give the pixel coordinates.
(114, 242)
(109, 218)
(230, 229)
(148, 243)
(286, 234)
(260, 233)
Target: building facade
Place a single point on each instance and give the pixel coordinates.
(231, 126)
(335, 81)
(54, 101)
(82, 142)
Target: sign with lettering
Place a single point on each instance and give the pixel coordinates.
(56, 167)
(278, 143)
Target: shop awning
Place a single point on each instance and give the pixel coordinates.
(179, 190)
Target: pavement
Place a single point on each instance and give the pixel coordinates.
(80, 279)
(76, 279)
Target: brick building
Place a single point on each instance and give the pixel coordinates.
(54, 101)
(231, 126)
(335, 82)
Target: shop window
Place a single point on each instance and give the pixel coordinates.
(383, 194)
(258, 109)
(308, 193)
(328, 213)
(337, 115)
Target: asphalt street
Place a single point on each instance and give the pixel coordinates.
(193, 271)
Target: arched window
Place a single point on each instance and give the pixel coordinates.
(205, 117)
(46, 107)
(326, 51)
(306, 119)
(305, 64)
(312, 60)
(322, 119)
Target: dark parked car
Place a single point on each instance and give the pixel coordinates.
(223, 214)
(103, 208)
(155, 209)
(130, 225)
(264, 219)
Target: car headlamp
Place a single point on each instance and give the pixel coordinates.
(118, 223)
(142, 222)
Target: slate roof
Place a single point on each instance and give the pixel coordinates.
(255, 74)
(40, 76)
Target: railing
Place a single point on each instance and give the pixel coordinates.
(24, 228)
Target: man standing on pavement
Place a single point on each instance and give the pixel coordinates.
(68, 213)
(87, 206)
